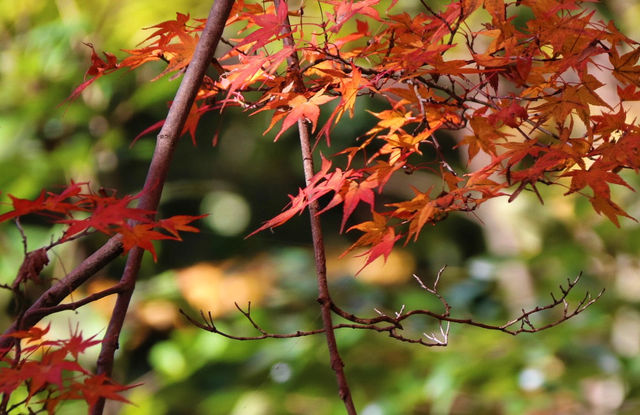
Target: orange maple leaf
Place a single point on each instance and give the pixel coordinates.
(624, 67)
(378, 235)
(304, 109)
(595, 178)
(141, 235)
(609, 209)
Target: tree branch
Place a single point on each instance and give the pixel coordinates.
(158, 169)
(324, 296)
(393, 327)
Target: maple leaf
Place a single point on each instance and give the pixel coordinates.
(595, 178)
(105, 213)
(624, 67)
(190, 125)
(546, 159)
(252, 69)
(48, 370)
(390, 119)
(100, 386)
(270, 26)
(469, 6)
(484, 137)
(138, 57)
(97, 69)
(354, 192)
(10, 380)
(625, 152)
(349, 91)
(320, 184)
(304, 109)
(345, 10)
(496, 8)
(46, 203)
(378, 235)
(178, 223)
(141, 235)
(628, 93)
(177, 54)
(34, 334)
(609, 209)
(419, 210)
(297, 203)
(512, 115)
(76, 344)
(576, 98)
(610, 123)
(168, 29)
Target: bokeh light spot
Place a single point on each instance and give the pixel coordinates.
(229, 213)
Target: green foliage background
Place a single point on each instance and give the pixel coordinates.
(508, 257)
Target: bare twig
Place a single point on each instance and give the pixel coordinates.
(117, 288)
(393, 327)
(208, 324)
(524, 319)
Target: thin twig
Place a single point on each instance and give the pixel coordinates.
(393, 327)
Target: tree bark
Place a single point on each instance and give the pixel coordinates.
(157, 173)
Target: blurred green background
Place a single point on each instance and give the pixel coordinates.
(506, 257)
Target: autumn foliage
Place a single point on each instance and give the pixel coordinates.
(517, 82)
(51, 369)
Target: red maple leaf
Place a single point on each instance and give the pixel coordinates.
(190, 125)
(96, 387)
(354, 193)
(106, 212)
(48, 370)
(97, 69)
(512, 115)
(34, 334)
(345, 10)
(178, 223)
(77, 344)
(270, 25)
(47, 203)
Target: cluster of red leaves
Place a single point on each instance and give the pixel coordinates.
(49, 369)
(526, 93)
(102, 212)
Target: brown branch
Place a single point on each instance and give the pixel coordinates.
(158, 169)
(392, 324)
(524, 319)
(209, 325)
(324, 296)
(117, 288)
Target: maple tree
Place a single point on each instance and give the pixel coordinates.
(522, 95)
